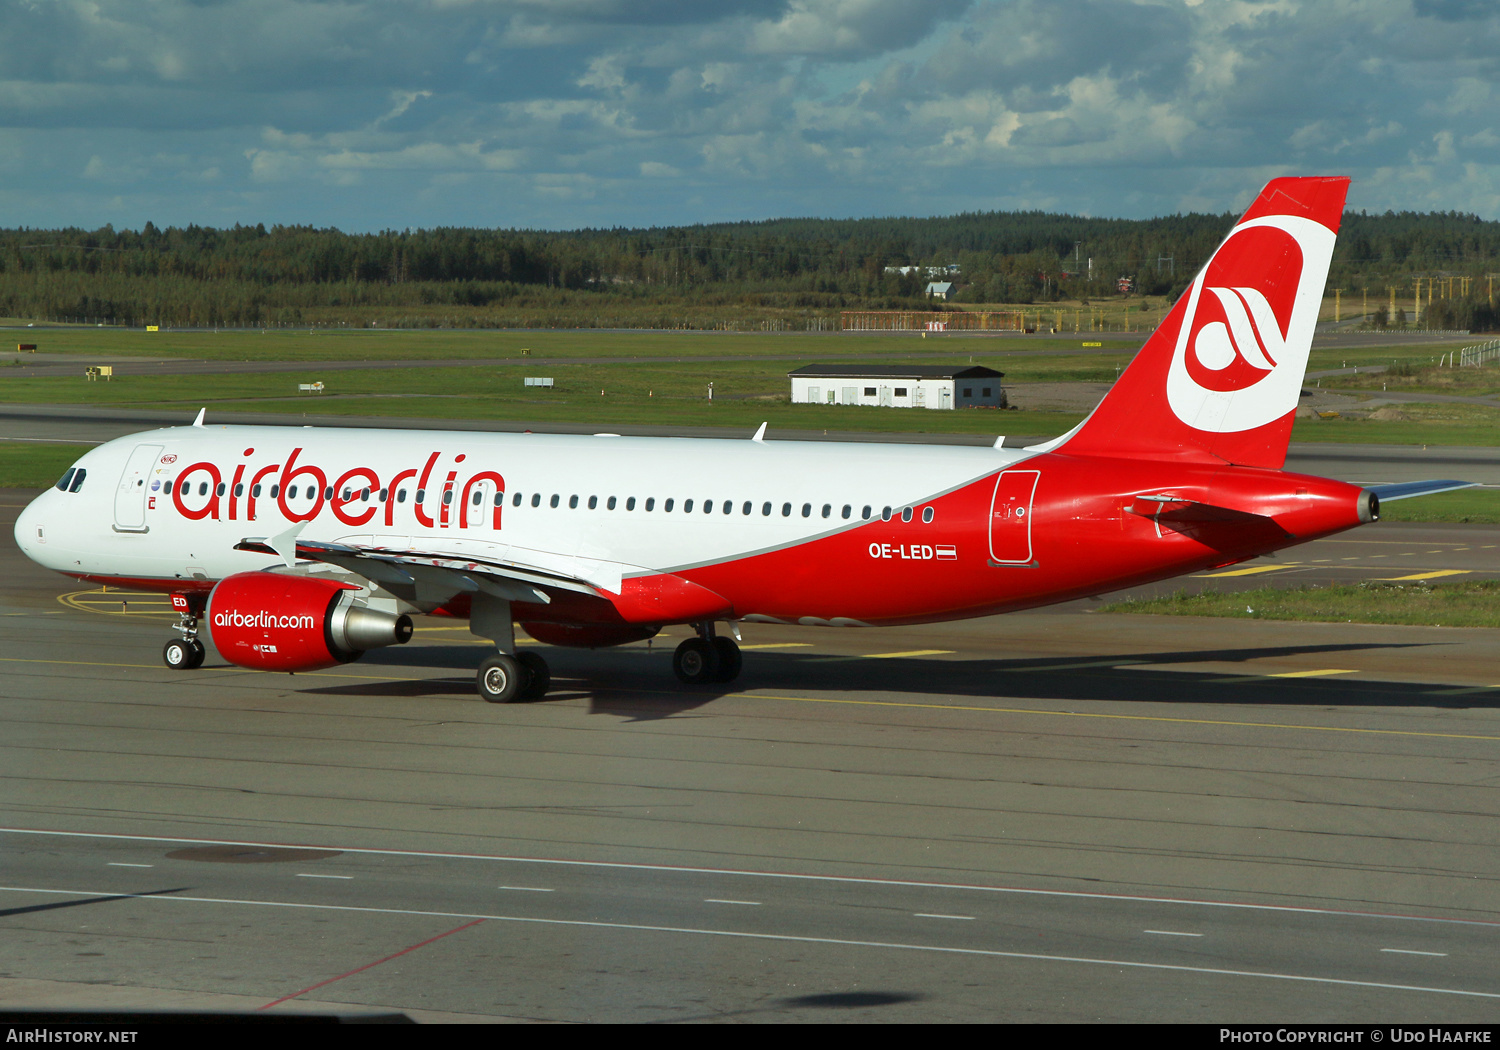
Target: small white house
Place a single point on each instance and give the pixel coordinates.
(898, 386)
(940, 290)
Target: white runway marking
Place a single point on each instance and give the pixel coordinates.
(939, 915)
(527, 889)
(306, 875)
(721, 900)
(1409, 951)
(786, 938)
(122, 864)
(852, 880)
(1172, 933)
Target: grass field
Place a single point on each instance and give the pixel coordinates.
(748, 372)
(28, 465)
(1473, 604)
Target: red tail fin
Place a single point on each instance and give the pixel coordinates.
(1221, 376)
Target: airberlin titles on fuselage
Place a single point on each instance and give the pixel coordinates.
(355, 498)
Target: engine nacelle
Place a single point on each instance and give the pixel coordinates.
(271, 622)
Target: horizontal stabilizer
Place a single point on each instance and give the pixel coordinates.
(1175, 508)
(1408, 489)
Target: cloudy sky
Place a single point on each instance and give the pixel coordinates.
(369, 114)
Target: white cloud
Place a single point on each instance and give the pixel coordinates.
(572, 112)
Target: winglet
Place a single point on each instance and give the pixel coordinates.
(285, 544)
(201, 413)
(760, 435)
(1000, 441)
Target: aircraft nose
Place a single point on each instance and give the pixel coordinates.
(31, 529)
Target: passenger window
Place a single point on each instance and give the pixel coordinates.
(667, 506)
(926, 515)
(786, 510)
(630, 503)
(827, 509)
(536, 499)
(687, 506)
(593, 503)
(447, 497)
(515, 501)
(885, 514)
(865, 514)
(400, 494)
(203, 488)
(479, 498)
(421, 495)
(347, 494)
(650, 502)
(906, 514)
(848, 510)
(219, 489)
(499, 499)
(554, 501)
(167, 488)
(765, 509)
(328, 492)
(807, 510)
(746, 508)
(381, 495)
(276, 489)
(239, 490)
(255, 492)
(611, 504)
(729, 506)
(572, 502)
(708, 506)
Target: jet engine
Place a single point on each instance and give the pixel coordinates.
(270, 622)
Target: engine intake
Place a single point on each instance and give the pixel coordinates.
(271, 622)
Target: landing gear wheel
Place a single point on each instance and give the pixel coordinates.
(696, 661)
(183, 654)
(730, 660)
(539, 676)
(501, 679)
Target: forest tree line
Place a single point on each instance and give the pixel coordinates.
(252, 275)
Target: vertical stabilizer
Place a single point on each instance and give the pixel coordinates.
(1220, 378)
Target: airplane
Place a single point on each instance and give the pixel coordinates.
(302, 548)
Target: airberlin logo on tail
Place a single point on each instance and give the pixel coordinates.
(1242, 349)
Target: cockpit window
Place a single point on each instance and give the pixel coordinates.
(78, 480)
(72, 481)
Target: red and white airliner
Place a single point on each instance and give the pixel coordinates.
(304, 547)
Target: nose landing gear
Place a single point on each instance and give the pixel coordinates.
(185, 653)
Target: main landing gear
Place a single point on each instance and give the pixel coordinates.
(707, 658)
(505, 679)
(185, 653)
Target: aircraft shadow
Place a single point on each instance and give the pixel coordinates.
(637, 686)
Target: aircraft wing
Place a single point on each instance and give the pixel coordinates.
(431, 577)
(1408, 489)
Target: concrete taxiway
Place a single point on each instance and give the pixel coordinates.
(1050, 816)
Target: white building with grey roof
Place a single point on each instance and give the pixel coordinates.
(898, 386)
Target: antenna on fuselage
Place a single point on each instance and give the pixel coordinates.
(1000, 441)
(201, 413)
(760, 435)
